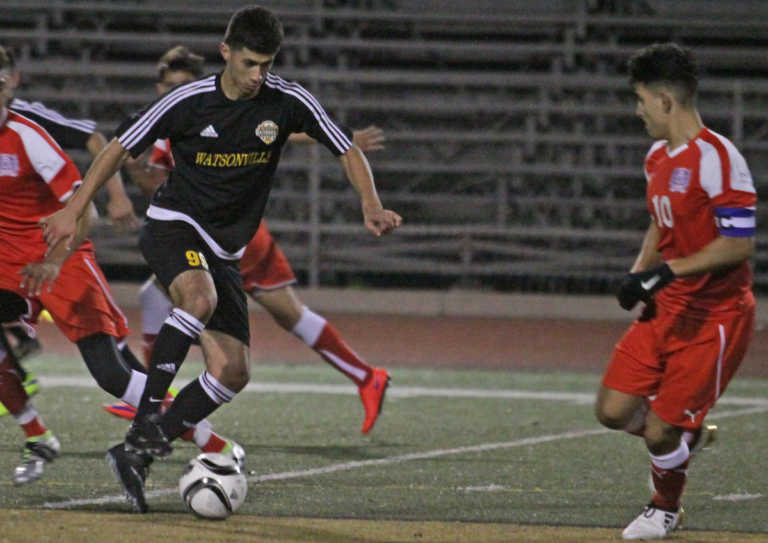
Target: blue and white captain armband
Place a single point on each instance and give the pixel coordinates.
(738, 222)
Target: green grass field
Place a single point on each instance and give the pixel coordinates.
(469, 446)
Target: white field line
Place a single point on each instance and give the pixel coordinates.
(395, 391)
(347, 466)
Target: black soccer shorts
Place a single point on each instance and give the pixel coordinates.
(173, 247)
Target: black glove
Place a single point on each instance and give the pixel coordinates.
(643, 285)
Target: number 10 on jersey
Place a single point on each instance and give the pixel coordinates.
(662, 208)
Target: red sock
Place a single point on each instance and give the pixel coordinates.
(334, 351)
(189, 435)
(147, 344)
(215, 444)
(12, 393)
(669, 484)
(34, 428)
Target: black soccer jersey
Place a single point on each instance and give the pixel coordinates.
(69, 133)
(225, 153)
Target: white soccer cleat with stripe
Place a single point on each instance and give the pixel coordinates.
(653, 523)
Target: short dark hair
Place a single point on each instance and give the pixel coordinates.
(180, 59)
(666, 64)
(256, 28)
(6, 59)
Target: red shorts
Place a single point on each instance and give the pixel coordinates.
(80, 301)
(681, 363)
(264, 265)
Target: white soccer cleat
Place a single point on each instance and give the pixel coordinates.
(37, 452)
(653, 523)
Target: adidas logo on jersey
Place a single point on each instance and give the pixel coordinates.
(209, 132)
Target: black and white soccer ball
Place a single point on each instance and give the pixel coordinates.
(213, 486)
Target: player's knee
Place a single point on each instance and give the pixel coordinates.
(200, 305)
(238, 377)
(233, 378)
(611, 417)
(661, 438)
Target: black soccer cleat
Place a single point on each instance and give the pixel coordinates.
(146, 437)
(132, 470)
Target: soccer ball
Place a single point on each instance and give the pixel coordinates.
(213, 486)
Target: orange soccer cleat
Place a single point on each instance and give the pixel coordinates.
(127, 411)
(372, 395)
(120, 409)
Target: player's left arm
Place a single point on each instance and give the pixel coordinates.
(370, 138)
(733, 201)
(377, 219)
(119, 206)
(722, 252)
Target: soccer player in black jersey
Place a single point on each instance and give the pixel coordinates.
(265, 271)
(226, 133)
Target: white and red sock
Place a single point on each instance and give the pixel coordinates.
(323, 337)
(30, 421)
(204, 437)
(669, 473)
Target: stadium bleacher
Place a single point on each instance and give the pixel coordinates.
(514, 153)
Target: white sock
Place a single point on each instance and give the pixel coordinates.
(155, 307)
(203, 432)
(26, 415)
(309, 327)
(673, 459)
(133, 391)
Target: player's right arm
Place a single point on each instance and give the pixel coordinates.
(647, 275)
(62, 225)
(134, 135)
(37, 275)
(649, 256)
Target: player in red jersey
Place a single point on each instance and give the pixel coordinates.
(693, 275)
(266, 273)
(69, 134)
(37, 177)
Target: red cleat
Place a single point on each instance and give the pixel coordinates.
(120, 409)
(372, 396)
(127, 411)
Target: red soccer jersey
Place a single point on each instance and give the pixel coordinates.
(36, 177)
(695, 193)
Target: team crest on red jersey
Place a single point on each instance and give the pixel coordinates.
(9, 165)
(679, 180)
(267, 131)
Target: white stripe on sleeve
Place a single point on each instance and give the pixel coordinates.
(42, 155)
(144, 124)
(334, 133)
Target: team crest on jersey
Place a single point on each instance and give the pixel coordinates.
(9, 165)
(679, 180)
(267, 131)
